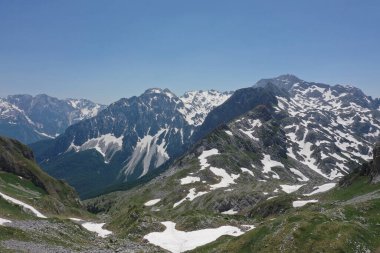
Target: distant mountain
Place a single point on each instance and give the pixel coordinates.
(127, 140)
(30, 119)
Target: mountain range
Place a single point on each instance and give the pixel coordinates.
(286, 165)
(32, 118)
(325, 130)
(127, 140)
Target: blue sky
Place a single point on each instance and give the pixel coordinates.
(105, 50)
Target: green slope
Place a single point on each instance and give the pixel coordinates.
(346, 219)
(23, 179)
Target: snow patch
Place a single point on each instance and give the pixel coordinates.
(177, 241)
(97, 228)
(189, 180)
(24, 205)
(3, 221)
(152, 202)
(268, 164)
(300, 203)
(226, 179)
(228, 132)
(203, 157)
(247, 171)
(290, 188)
(301, 177)
(230, 212)
(190, 196)
(321, 188)
(93, 227)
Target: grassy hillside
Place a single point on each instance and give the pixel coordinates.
(23, 179)
(346, 219)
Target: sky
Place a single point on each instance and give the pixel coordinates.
(105, 50)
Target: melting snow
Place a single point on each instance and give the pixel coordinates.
(24, 205)
(230, 212)
(290, 188)
(152, 202)
(3, 221)
(177, 241)
(203, 157)
(269, 164)
(301, 177)
(226, 179)
(321, 188)
(190, 196)
(300, 203)
(228, 132)
(97, 228)
(94, 227)
(189, 180)
(249, 131)
(247, 171)
(249, 134)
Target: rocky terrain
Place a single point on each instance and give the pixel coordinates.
(314, 129)
(129, 139)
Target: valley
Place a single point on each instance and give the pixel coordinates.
(283, 166)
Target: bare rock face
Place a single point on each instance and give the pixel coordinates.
(376, 163)
(376, 155)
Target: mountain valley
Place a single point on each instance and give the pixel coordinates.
(285, 165)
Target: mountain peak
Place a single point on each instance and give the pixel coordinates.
(285, 81)
(288, 77)
(164, 91)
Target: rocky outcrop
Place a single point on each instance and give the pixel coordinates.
(375, 167)
(369, 169)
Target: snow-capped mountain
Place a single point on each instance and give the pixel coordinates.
(299, 140)
(129, 139)
(198, 104)
(318, 130)
(326, 127)
(32, 118)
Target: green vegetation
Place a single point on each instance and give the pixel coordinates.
(358, 187)
(336, 224)
(10, 211)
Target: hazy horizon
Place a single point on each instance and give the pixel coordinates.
(178, 94)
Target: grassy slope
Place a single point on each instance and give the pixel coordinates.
(23, 179)
(333, 225)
